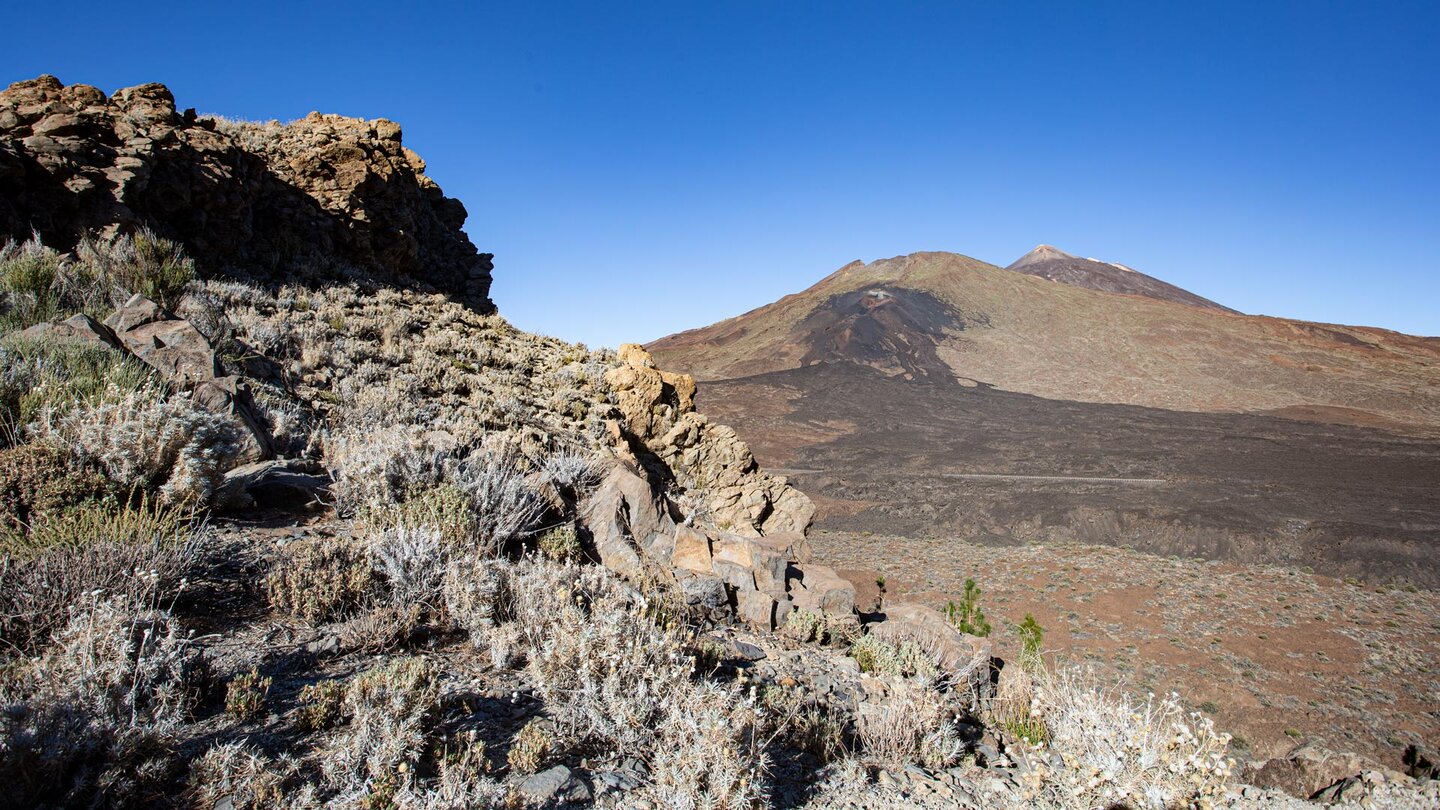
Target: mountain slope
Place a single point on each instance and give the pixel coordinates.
(1056, 265)
(943, 316)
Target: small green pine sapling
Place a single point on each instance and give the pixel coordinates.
(967, 616)
(1032, 635)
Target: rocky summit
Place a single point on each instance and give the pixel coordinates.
(267, 199)
(291, 517)
(1049, 262)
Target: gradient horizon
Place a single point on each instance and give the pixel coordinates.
(643, 168)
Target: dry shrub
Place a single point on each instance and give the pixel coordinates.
(90, 523)
(477, 595)
(805, 626)
(321, 580)
(38, 283)
(28, 275)
(506, 507)
(376, 468)
(321, 705)
(807, 724)
(412, 564)
(561, 544)
(92, 719)
(390, 707)
(909, 658)
(246, 694)
(615, 683)
(61, 375)
(147, 443)
(573, 474)
(406, 477)
(1114, 751)
(530, 747)
(250, 779)
(914, 725)
(443, 508)
(139, 263)
(39, 587)
(37, 481)
(459, 786)
(383, 628)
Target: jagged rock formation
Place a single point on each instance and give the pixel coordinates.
(659, 410)
(737, 543)
(317, 193)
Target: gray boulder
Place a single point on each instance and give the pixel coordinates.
(558, 785)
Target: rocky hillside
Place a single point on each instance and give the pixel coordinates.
(313, 197)
(353, 541)
(947, 317)
(1052, 263)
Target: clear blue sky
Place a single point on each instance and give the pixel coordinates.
(640, 168)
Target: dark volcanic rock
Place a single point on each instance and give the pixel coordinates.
(916, 457)
(891, 328)
(273, 200)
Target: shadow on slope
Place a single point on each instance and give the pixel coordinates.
(919, 457)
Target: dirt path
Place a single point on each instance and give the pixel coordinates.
(1074, 479)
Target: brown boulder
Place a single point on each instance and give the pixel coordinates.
(175, 349)
(755, 609)
(793, 546)
(136, 312)
(818, 588)
(954, 650)
(81, 329)
(626, 518)
(692, 551)
(230, 395)
(1306, 770)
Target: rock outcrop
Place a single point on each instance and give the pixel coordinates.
(1308, 770)
(179, 352)
(288, 199)
(660, 418)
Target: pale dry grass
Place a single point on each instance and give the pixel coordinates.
(915, 725)
(145, 441)
(94, 715)
(1101, 748)
(616, 683)
(363, 353)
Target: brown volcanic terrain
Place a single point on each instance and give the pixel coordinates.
(1276, 655)
(1081, 453)
(931, 314)
(922, 457)
(1051, 263)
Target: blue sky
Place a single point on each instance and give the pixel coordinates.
(641, 168)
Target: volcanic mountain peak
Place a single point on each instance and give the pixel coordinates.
(1041, 253)
(942, 317)
(1049, 262)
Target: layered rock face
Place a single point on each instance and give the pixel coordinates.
(659, 410)
(288, 200)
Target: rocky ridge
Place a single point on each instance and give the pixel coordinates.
(286, 201)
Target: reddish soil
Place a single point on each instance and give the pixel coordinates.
(1274, 655)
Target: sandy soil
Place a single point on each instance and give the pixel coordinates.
(1275, 655)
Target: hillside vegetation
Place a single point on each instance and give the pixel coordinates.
(318, 532)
